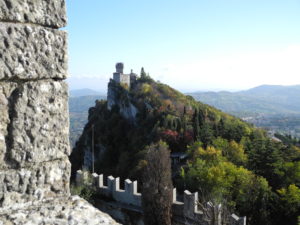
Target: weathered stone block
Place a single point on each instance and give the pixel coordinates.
(6, 90)
(59, 211)
(40, 181)
(34, 123)
(32, 52)
(50, 13)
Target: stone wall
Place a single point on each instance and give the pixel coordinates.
(122, 79)
(34, 118)
(34, 101)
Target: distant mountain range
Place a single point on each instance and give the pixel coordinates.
(265, 99)
(83, 103)
(84, 92)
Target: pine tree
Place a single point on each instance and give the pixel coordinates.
(206, 134)
(143, 73)
(196, 125)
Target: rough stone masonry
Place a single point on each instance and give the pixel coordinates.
(34, 121)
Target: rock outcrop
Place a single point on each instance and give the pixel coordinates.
(34, 121)
(119, 97)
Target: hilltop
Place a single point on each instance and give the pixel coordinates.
(145, 113)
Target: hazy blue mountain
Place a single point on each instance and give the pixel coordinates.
(84, 92)
(83, 103)
(265, 99)
(288, 96)
(274, 107)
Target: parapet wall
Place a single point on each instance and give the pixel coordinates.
(187, 210)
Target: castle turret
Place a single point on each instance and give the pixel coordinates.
(120, 67)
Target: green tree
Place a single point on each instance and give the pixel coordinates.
(290, 203)
(233, 151)
(265, 160)
(145, 77)
(213, 175)
(143, 74)
(196, 125)
(157, 185)
(206, 134)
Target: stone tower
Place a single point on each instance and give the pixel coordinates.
(120, 77)
(120, 68)
(34, 119)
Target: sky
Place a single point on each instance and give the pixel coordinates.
(190, 45)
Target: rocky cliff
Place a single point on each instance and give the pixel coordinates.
(116, 115)
(34, 122)
(117, 96)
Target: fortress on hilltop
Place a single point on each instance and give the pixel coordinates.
(127, 109)
(121, 78)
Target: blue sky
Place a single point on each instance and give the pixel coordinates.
(188, 44)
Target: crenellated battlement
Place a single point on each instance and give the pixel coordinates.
(188, 209)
